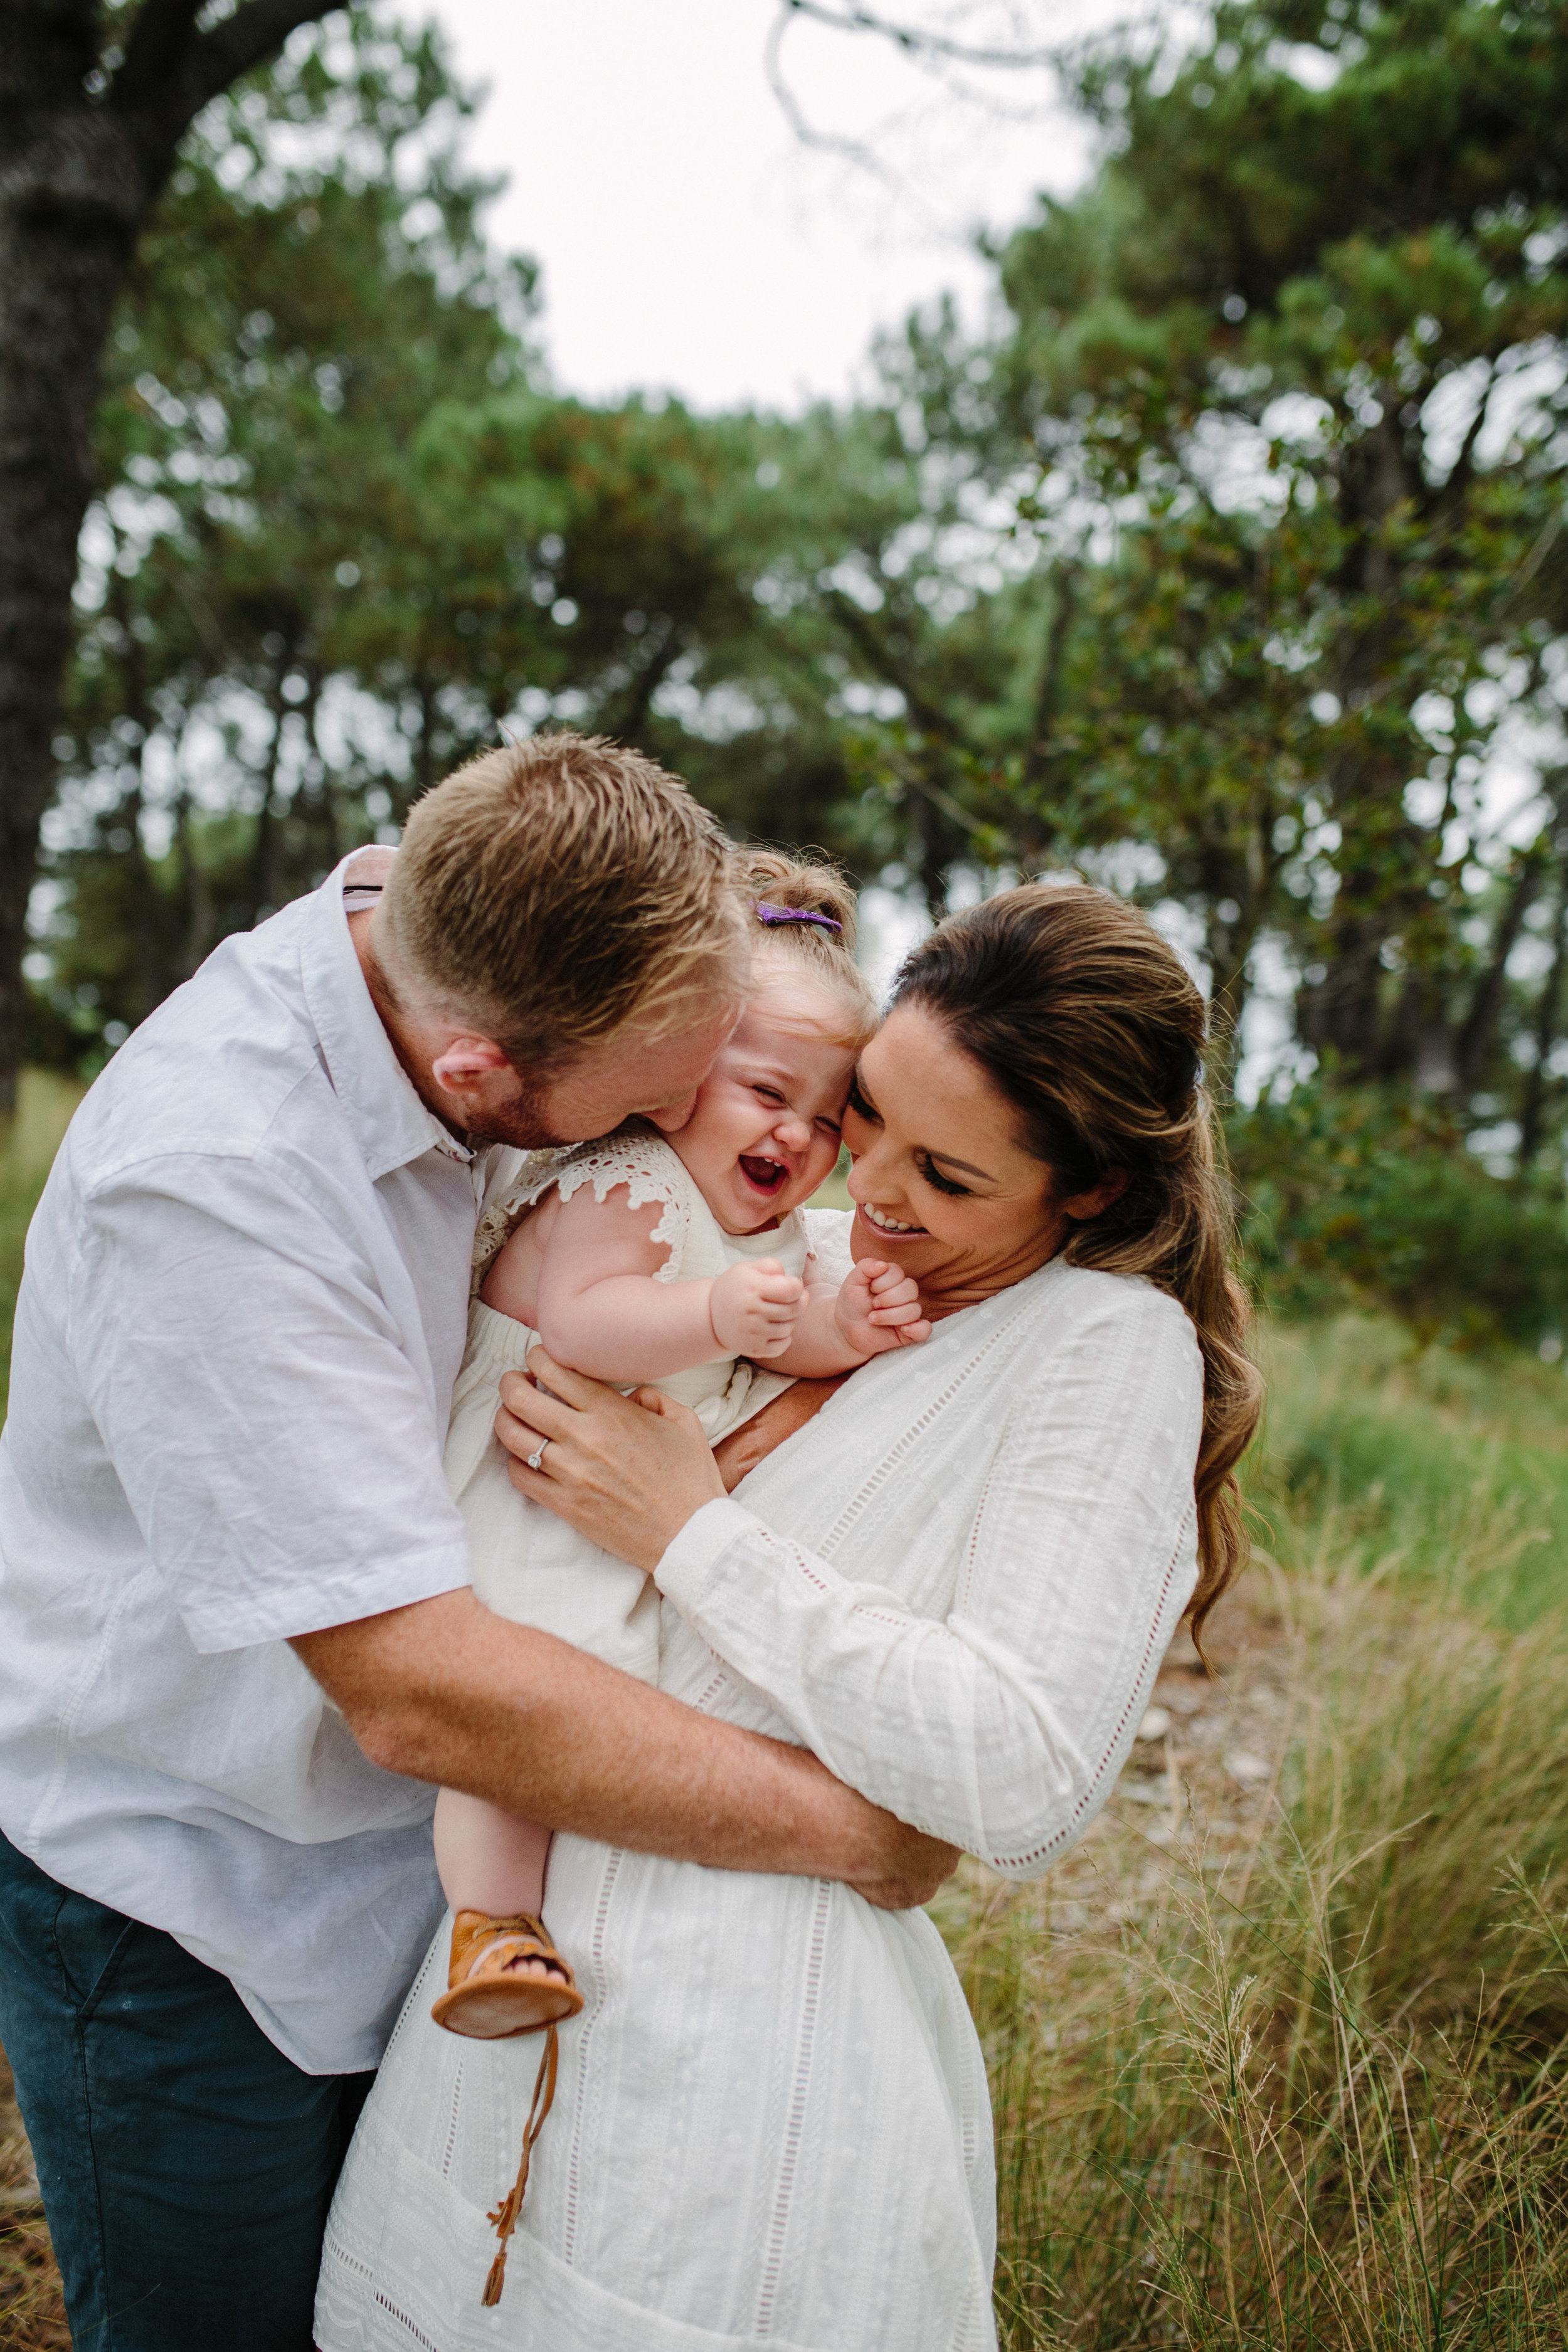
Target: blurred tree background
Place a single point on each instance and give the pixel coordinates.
(1229, 570)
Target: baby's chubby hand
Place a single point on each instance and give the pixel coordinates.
(878, 1307)
(754, 1308)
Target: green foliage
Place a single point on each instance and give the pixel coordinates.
(1220, 573)
(27, 1147)
(349, 535)
(1279, 415)
(1351, 1195)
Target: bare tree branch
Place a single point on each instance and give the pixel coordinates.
(251, 34)
(932, 53)
(854, 151)
(913, 39)
(1476, 1034)
(1459, 473)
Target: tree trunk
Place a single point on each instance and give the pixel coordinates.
(70, 203)
(80, 167)
(1479, 1029)
(1532, 1113)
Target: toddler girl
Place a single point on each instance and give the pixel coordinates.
(671, 1254)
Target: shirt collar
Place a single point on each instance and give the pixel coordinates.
(390, 1123)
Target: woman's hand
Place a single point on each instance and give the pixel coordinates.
(627, 1472)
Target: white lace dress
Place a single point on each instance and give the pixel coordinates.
(529, 1565)
(955, 1585)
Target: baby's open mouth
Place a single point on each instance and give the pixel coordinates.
(768, 1175)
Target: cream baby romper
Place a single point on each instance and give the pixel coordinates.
(529, 1565)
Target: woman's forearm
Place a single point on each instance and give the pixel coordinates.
(977, 1735)
(1003, 1723)
(738, 1454)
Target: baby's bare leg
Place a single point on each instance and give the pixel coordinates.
(488, 1860)
(504, 1975)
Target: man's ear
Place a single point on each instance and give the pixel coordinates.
(457, 1065)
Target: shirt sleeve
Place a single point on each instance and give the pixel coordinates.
(275, 1439)
(1003, 1727)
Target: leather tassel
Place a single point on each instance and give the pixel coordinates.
(504, 2216)
(496, 2281)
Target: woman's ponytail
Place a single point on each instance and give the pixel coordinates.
(1086, 1020)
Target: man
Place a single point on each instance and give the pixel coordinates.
(222, 1510)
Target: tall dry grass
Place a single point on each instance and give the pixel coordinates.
(1304, 2086)
(31, 2315)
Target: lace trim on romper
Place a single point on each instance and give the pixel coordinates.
(640, 1160)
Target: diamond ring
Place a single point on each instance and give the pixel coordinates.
(537, 1457)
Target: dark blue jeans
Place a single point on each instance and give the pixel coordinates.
(187, 2165)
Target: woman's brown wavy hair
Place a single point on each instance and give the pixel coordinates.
(1086, 1020)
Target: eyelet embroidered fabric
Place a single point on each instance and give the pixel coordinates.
(954, 1585)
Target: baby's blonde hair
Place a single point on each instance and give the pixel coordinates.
(769, 877)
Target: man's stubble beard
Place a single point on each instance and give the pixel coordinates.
(525, 1123)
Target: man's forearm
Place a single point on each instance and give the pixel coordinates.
(446, 1691)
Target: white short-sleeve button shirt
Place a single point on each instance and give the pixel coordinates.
(240, 1322)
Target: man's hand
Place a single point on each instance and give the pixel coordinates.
(878, 1307)
(914, 1878)
(754, 1306)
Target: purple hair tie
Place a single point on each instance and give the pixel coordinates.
(766, 914)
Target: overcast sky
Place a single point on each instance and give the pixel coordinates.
(689, 240)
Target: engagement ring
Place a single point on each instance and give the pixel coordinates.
(537, 1457)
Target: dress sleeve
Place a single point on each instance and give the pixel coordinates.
(1003, 1727)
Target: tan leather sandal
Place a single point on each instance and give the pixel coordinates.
(490, 1990)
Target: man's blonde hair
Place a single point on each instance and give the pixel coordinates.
(556, 890)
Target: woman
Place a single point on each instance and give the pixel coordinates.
(955, 1585)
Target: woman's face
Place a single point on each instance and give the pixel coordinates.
(943, 1185)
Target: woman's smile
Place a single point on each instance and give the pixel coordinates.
(890, 1228)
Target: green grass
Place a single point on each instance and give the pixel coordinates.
(43, 1113)
(1441, 1472)
(31, 2316)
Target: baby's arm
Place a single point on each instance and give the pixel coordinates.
(875, 1309)
(598, 1308)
